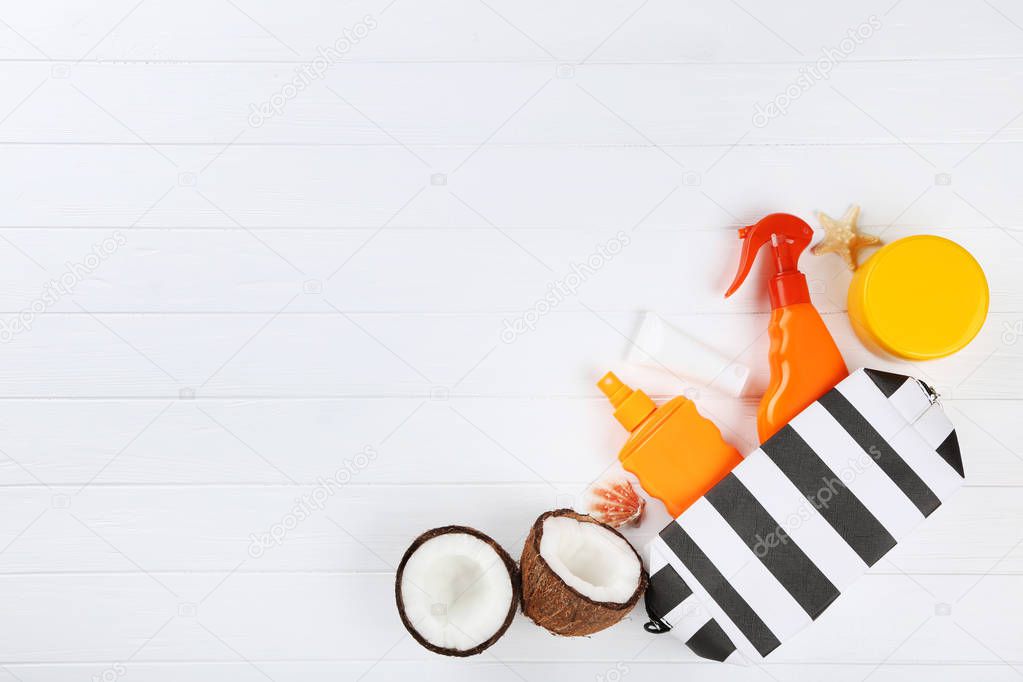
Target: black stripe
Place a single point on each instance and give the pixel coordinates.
(878, 449)
(711, 642)
(886, 381)
(772, 545)
(825, 491)
(949, 451)
(730, 601)
(665, 591)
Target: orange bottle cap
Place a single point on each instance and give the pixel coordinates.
(631, 407)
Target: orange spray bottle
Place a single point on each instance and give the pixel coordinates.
(804, 360)
(676, 453)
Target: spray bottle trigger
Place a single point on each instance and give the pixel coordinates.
(772, 228)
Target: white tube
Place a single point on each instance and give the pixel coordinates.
(659, 345)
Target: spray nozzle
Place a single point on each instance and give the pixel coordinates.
(788, 236)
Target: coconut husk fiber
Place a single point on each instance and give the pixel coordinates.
(553, 604)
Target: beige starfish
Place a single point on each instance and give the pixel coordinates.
(843, 237)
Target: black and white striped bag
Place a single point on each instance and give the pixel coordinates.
(773, 544)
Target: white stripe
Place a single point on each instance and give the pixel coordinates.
(857, 470)
(738, 658)
(934, 426)
(800, 520)
(910, 400)
(928, 464)
(871, 403)
(743, 570)
(709, 605)
(656, 559)
(689, 615)
(930, 429)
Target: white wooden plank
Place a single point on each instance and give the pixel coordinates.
(504, 670)
(313, 617)
(201, 368)
(311, 355)
(423, 105)
(464, 30)
(612, 187)
(343, 527)
(564, 440)
(423, 270)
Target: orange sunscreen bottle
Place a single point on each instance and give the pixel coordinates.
(804, 360)
(676, 453)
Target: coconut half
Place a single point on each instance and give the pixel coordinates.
(579, 576)
(456, 590)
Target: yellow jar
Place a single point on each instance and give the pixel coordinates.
(920, 297)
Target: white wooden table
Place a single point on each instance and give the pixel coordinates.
(250, 299)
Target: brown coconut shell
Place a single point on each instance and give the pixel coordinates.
(552, 604)
(509, 564)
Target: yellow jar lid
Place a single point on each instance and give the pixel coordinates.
(920, 297)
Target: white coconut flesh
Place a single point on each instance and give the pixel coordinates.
(592, 560)
(456, 591)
